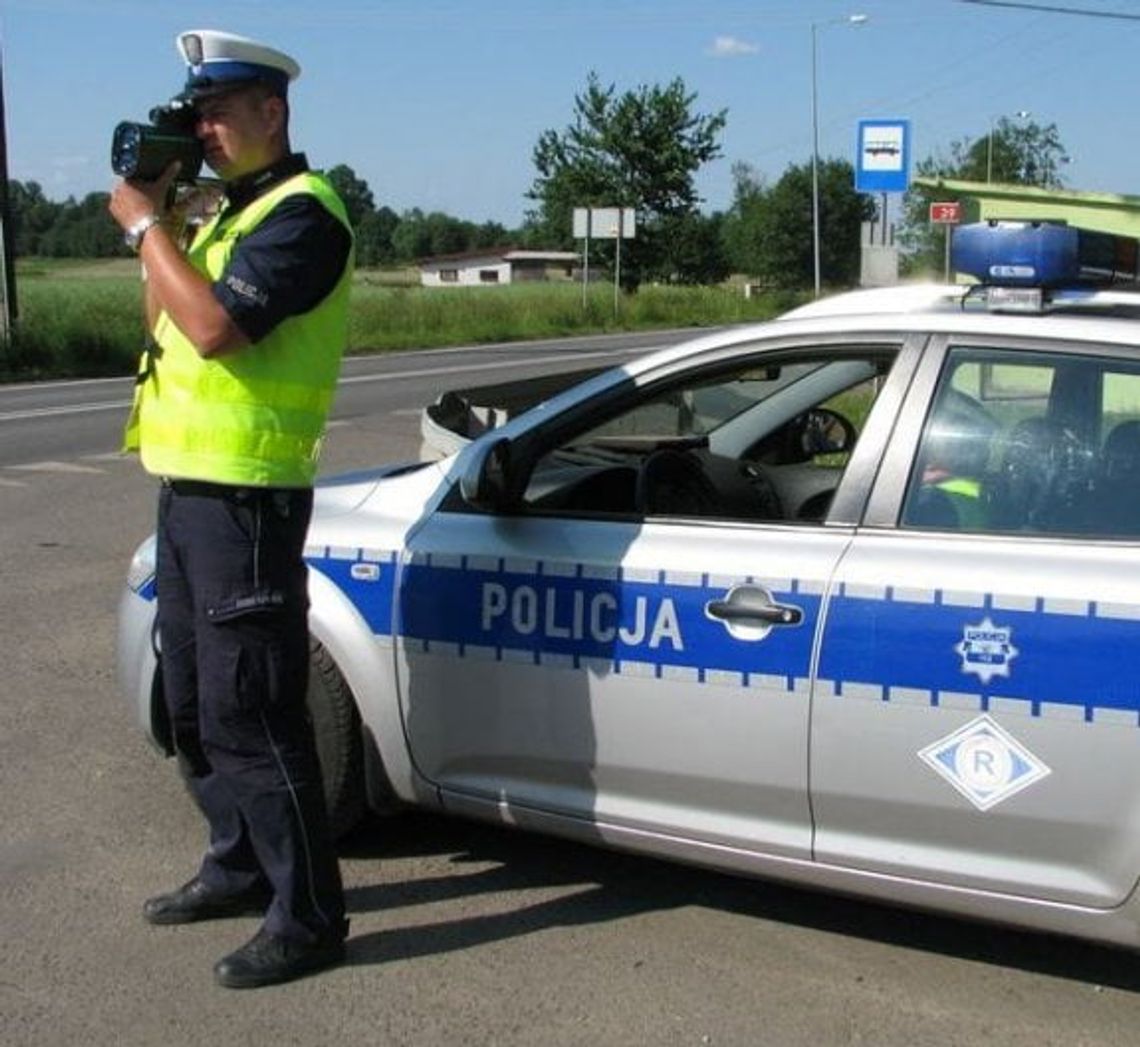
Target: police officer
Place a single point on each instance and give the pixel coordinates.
(247, 327)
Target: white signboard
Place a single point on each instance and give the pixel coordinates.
(605, 223)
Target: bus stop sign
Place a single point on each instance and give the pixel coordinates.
(882, 158)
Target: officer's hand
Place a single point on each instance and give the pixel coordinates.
(133, 200)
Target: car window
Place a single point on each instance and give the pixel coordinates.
(1030, 443)
(762, 440)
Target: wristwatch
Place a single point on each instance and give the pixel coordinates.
(133, 237)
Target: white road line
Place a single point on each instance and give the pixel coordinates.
(386, 376)
(55, 467)
(50, 412)
(427, 372)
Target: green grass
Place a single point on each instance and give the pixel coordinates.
(81, 318)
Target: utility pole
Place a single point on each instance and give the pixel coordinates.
(8, 311)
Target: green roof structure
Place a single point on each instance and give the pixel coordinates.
(1104, 212)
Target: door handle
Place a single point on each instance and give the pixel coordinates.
(772, 614)
(749, 612)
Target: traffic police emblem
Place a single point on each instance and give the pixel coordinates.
(986, 650)
(984, 762)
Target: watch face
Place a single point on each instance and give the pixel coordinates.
(133, 236)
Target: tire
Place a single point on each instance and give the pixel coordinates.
(337, 730)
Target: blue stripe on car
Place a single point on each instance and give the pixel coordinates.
(1073, 659)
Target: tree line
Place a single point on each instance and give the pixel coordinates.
(640, 148)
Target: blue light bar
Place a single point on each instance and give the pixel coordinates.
(1042, 254)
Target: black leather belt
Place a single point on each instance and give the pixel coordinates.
(205, 489)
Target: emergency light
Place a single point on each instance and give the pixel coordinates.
(1042, 255)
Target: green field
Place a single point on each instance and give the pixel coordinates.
(83, 318)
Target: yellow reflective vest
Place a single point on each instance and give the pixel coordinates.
(966, 495)
(254, 417)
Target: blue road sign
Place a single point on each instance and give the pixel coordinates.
(882, 156)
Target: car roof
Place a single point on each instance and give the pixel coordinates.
(1088, 317)
(903, 298)
(1083, 315)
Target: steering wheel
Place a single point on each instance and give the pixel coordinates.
(674, 483)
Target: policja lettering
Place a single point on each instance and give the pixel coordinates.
(579, 615)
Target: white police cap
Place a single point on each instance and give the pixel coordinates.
(220, 62)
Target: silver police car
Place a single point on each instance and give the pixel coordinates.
(849, 599)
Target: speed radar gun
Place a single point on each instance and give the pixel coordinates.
(145, 151)
(216, 62)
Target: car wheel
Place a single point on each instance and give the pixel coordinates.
(336, 726)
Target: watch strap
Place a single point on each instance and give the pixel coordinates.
(133, 237)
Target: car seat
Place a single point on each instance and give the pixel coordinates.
(1118, 500)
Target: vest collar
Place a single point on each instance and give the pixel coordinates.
(242, 191)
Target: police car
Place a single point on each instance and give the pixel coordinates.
(849, 599)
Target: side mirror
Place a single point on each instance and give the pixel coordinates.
(486, 482)
(823, 431)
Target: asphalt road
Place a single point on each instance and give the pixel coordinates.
(461, 933)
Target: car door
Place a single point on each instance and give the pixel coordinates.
(975, 719)
(631, 665)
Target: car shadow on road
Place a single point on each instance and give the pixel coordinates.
(614, 885)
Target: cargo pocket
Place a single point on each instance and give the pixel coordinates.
(251, 645)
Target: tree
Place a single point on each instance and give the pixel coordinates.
(489, 234)
(374, 237)
(420, 235)
(640, 149)
(31, 215)
(353, 191)
(768, 232)
(83, 230)
(689, 249)
(740, 227)
(1018, 154)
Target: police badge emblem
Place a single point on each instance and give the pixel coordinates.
(986, 650)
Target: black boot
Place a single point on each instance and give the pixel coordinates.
(195, 901)
(267, 959)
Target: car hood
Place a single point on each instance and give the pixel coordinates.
(340, 494)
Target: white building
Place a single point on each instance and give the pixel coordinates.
(497, 266)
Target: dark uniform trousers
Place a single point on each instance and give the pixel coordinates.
(232, 618)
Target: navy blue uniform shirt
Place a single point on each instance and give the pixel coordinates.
(291, 261)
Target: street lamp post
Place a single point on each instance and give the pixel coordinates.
(1021, 114)
(859, 19)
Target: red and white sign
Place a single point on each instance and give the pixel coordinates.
(947, 213)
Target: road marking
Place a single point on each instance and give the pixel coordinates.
(56, 467)
(12, 483)
(422, 372)
(428, 372)
(51, 412)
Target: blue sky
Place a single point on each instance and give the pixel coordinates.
(438, 103)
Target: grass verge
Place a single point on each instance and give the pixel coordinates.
(84, 319)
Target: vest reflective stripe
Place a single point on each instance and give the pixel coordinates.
(253, 417)
(966, 495)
